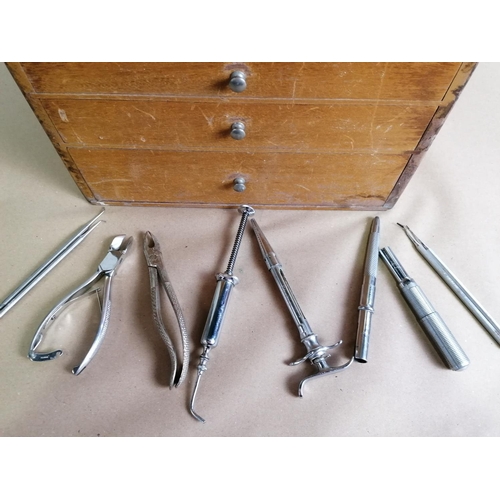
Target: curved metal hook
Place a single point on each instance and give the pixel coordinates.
(321, 372)
(202, 366)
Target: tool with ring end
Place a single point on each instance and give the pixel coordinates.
(158, 274)
(317, 354)
(225, 283)
(106, 270)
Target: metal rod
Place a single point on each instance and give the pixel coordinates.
(47, 266)
(456, 286)
(367, 299)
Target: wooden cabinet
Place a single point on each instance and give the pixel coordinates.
(310, 135)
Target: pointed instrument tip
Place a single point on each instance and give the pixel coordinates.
(400, 225)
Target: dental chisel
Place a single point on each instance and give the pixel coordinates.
(367, 299)
(452, 281)
(431, 322)
(225, 283)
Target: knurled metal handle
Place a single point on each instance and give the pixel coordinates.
(434, 327)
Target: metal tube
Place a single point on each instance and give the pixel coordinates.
(430, 321)
(367, 299)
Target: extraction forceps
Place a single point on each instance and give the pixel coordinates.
(456, 286)
(158, 274)
(48, 265)
(106, 271)
(225, 283)
(317, 354)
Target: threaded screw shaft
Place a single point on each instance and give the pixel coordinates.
(246, 212)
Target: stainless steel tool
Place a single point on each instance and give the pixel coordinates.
(456, 286)
(158, 276)
(367, 299)
(106, 270)
(431, 322)
(317, 354)
(47, 266)
(225, 283)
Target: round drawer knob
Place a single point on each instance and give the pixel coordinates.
(237, 81)
(239, 184)
(238, 131)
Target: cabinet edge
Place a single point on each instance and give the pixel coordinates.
(453, 93)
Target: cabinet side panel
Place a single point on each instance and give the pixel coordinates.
(36, 105)
(454, 91)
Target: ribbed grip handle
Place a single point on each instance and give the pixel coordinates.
(434, 327)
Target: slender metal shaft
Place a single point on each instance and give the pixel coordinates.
(47, 266)
(367, 299)
(456, 286)
(430, 321)
(225, 283)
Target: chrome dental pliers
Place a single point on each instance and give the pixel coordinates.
(106, 270)
(157, 275)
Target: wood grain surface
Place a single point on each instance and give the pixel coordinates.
(203, 125)
(336, 180)
(318, 135)
(413, 81)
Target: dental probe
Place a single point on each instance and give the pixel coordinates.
(452, 281)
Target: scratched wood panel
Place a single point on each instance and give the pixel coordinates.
(406, 81)
(337, 180)
(204, 125)
(353, 170)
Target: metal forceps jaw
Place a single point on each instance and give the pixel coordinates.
(317, 354)
(106, 270)
(157, 275)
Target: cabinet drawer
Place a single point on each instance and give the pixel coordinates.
(206, 125)
(407, 81)
(272, 179)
